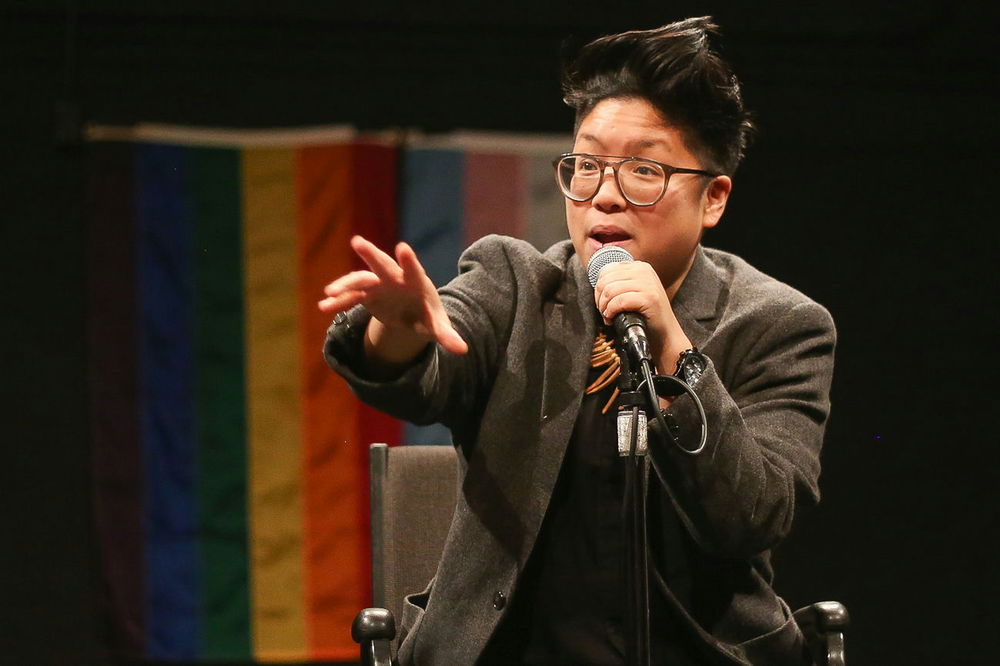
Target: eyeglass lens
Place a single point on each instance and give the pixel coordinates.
(641, 181)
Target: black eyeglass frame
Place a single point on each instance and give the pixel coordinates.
(616, 162)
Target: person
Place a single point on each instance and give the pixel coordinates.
(533, 566)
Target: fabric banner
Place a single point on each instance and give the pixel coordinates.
(230, 464)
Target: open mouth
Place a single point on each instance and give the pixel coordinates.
(608, 237)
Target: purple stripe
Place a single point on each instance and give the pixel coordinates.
(112, 375)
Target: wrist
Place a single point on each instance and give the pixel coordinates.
(390, 348)
(667, 360)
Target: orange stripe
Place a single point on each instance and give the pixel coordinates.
(336, 587)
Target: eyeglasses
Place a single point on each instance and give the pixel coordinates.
(641, 181)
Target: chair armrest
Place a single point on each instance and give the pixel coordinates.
(823, 624)
(373, 630)
(824, 615)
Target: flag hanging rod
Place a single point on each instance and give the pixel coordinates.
(477, 141)
(484, 141)
(220, 136)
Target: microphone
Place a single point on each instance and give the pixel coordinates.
(630, 327)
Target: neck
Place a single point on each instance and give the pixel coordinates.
(672, 287)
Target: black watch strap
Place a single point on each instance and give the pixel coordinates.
(691, 366)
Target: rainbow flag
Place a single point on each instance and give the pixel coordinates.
(230, 464)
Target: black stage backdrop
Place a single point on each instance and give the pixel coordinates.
(869, 187)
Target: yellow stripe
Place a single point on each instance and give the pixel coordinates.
(273, 403)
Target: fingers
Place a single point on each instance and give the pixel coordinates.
(629, 301)
(613, 273)
(628, 287)
(447, 336)
(413, 270)
(610, 287)
(347, 291)
(440, 324)
(378, 261)
(354, 281)
(344, 301)
(404, 278)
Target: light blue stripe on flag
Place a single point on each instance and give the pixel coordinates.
(431, 220)
(431, 210)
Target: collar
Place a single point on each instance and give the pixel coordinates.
(696, 302)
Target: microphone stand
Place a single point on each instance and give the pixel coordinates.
(632, 442)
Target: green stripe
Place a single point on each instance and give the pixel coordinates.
(221, 412)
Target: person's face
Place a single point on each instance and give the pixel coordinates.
(666, 234)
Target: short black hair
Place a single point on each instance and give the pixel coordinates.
(677, 70)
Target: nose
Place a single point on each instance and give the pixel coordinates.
(609, 196)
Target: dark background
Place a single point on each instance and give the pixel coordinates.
(869, 187)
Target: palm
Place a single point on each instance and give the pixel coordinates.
(403, 298)
(397, 292)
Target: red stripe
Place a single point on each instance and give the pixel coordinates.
(374, 186)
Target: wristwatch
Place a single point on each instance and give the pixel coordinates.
(691, 366)
(350, 327)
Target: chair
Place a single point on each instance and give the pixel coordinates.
(413, 495)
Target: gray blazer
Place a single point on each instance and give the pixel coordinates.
(511, 403)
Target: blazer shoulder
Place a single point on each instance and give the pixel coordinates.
(751, 290)
(517, 250)
(498, 254)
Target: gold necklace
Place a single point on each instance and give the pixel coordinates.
(604, 354)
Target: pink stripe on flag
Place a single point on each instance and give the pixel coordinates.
(495, 198)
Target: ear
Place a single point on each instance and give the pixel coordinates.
(714, 200)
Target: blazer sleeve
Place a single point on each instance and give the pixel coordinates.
(441, 387)
(737, 498)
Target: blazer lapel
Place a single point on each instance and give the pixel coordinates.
(570, 327)
(697, 301)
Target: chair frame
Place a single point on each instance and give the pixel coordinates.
(823, 623)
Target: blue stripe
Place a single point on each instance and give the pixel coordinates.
(166, 385)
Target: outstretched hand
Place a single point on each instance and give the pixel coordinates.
(405, 307)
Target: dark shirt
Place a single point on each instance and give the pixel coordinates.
(569, 605)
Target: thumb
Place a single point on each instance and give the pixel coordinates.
(440, 324)
(447, 336)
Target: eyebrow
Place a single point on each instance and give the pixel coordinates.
(592, 139)
(648, 143)
(636, 146)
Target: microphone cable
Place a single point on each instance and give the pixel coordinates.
(634, 509)
(649, 381)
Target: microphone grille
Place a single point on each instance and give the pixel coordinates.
(606, 254)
